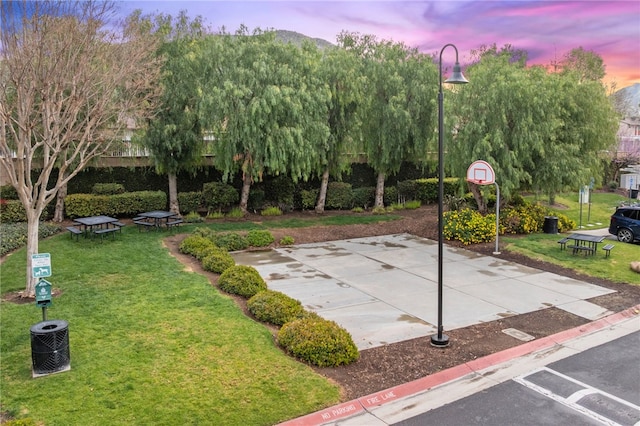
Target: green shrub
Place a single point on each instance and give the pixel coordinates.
(363, 197)
(215, 215)
(12, 211)
(339, 196)
(408, 189)
(309, 198)
(412, 204)
(564, 223)
(235, 213)
(242, 280)
(219, 196)
(256, 199)
(193, 217)
(319, 342)
(14, 235)
(357, 210)
(107, 189)
(231, 241)
(427, 189)
(379, 210)
(390, 196)
(271, 211)
(8, 192)
(523, 219)
(217, 260)
(279, 192)
(469, 226)
(196, 245)
(190, 201)
(274, 307)
(259, 238)
(127, 204)
(287, 240)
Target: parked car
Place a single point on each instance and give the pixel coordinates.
(625, 224)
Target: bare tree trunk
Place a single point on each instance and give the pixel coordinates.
(244, 194)
(33, 219)
(322, 197)
(380, 191)
(58, 215)
(482, 203)
(174, 207)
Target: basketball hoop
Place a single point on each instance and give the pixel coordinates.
(481, 173)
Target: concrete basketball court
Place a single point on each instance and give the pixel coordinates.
(384, 289)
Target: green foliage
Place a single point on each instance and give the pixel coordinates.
(230, 241)
(260, 238)
(279, 191)
(271, 211)
(319, 342)
(357, 210)
(14, 235)
(412, 204)
(242, 280)
(469, 226)
(219, 196)
(12, 211)
(309, 198)
(217, 260)
(408, 189)
(127, 204)
(454, 202)
(235, 213)
(363, 197)
(196, 245)
(379, 210)
(215, 215)
(426, 189)
(193, 217)
(189, 201)
(390, 195)
(28, 421)
(523, 219)
(256, 199)
(107, 189)
(287, 240)
(339, 196)
(8, 192)
(274, 307)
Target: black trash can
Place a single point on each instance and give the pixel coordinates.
(550, 225)
(634, 194)
(50, 346)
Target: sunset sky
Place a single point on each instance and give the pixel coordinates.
(546, 29)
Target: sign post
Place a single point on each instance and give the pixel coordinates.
(481, 173)
(41, 268)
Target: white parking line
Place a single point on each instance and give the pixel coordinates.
(572, 400)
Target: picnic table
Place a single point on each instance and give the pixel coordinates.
(157, 219)
(95, 225)
(584, 243)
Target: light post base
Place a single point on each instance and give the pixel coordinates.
(441, 341)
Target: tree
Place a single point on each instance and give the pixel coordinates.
(266, 107)
(69, 87)
(174, 135)
(340, 69)
(587, 65)
(399, 107)
(503, 118)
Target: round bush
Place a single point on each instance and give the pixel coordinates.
(242, 280)
(230, 241)
(275, 307)
(259, 238)
(319, 342)
(196, 245)
(217, 261)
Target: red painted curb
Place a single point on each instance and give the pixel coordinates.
(360, 405)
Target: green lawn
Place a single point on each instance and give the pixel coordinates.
(596, 215)
(150, 343)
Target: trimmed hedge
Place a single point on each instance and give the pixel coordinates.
(196, 245)
(242, 280)
(217, 260)
(12, 211)
(319, 342)
(275, 307)
(107, 189)
(14, 235)
(230, 241)
(259, 238)
(219, 196)
(190, 201)
(127, 204)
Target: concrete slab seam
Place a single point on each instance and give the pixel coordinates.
(424, 384)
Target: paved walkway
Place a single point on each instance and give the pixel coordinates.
(384, 289)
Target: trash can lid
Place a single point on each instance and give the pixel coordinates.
(49, 326)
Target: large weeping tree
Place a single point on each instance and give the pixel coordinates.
(70, 82)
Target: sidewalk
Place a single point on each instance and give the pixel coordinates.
(405, 401)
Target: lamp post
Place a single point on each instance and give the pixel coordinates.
(440, 339)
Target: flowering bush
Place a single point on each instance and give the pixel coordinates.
(469, 226)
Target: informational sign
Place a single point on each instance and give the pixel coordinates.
(481, 173)
(43, 293)
(41, 265)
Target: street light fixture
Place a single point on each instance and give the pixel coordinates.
(440, 339)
